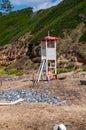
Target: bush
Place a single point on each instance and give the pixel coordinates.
(84, 69)
(14, 71)
(1, 67)
(71, 65)
(2, 72)
(63, 70)
(83, 37)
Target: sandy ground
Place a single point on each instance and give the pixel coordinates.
(42, 116)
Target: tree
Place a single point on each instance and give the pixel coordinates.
(6, 6)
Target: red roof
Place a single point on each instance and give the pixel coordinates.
(49, 38)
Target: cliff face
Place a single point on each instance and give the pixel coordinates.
(20, 54)
(12, 52)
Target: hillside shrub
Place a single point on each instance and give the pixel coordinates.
(63, 70)
(14, 72)
(2, 72)
(83, 37)
(70, 65)
(84, 69)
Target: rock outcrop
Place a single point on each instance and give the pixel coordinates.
(14, 51)
(20, 52)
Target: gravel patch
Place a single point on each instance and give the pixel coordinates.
(13, 79)
(29, 96)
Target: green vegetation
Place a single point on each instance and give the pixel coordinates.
(63, 70)
(57, 18)
(2, 72)
(13, 25)
(10, 72)
(84, 69)
(14, 72)
(83, 37)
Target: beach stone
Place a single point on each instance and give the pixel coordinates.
(29, 96)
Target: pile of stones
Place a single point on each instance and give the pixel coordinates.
(13, 79)
(29, 96)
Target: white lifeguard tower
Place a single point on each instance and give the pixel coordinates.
(48, 58)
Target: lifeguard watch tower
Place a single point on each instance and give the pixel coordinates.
(48, 58)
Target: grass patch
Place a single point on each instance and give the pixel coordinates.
(63, 70)
(14, 72)
(2, 72)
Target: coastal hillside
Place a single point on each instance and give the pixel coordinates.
(21, 28)
(57, 18)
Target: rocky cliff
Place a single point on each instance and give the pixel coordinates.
(12, 52)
